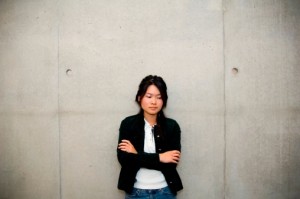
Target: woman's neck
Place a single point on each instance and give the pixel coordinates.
(151, 119)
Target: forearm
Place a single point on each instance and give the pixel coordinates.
(141, 159)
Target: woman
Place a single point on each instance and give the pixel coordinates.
(149, 146)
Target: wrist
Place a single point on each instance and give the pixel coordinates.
(160, 157)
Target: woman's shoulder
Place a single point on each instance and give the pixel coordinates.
(131, 119)
(171, 121)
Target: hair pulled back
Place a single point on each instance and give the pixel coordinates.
(156, 81)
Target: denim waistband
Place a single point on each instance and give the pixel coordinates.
(151, 191)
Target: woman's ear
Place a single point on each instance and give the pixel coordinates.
(139, 98)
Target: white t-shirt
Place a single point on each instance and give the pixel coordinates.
(149, 178)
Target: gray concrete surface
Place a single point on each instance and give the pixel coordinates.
(70, 71)
(262, 40)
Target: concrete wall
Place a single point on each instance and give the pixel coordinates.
(262, 39)
(70, 71)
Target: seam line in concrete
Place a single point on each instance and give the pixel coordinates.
(58, 99)
(224, 98)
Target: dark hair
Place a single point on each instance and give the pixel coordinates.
(156, 81)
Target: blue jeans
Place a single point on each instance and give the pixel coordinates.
(164, 193)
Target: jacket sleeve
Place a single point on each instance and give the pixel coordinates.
(142, 159)
(173, 141)
(175, 137)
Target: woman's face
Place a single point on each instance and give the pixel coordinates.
(152, 102)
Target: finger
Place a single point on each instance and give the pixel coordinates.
(122, 149)
(122, 145)
(176, 152)
(176, 158)
(176, 155)
(126, 141)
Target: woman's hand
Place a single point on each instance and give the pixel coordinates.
(126, 146)
(170, 157)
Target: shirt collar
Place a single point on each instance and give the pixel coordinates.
(147, 125)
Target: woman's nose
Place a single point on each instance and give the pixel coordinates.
(153, 101)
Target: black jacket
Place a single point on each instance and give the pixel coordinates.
(132, 129)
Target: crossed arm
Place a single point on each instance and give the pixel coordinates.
(172, 156)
